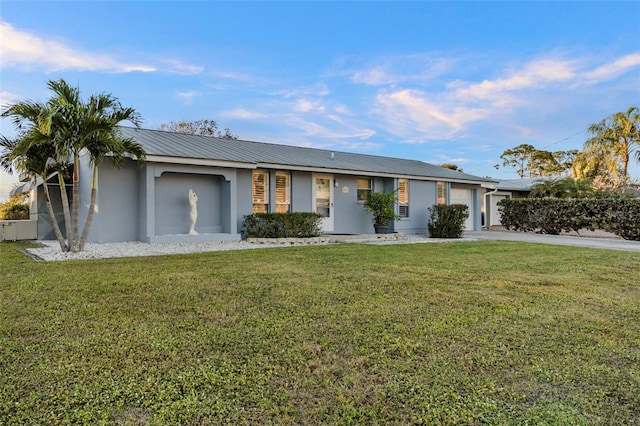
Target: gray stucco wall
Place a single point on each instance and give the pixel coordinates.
(166, 215)
(172, 203)
(301, 187)
(422, 195)
(245, 197)
(146, 204)
(117, 203)
(350, 216)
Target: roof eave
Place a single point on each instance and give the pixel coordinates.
(353, 172)
(328, 170)
(199, 162)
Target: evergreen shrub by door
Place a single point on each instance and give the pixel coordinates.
(447, 220)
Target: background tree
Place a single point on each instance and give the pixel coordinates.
(519, 158)
(566, 187)
(15, 208)
(594, 165)
(615, 141)
(199, 127)
(531, 162)
(451, 166)
(58, 131)
(564, 160)
(33, 152)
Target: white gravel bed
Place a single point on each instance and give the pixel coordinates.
(50, 250)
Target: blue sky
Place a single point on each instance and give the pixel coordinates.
(439, 82)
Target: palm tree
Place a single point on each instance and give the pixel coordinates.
(616, 139)
(103, 114)
(547, 188)
(566, 187)
(32, 153)
(66, 126)
(576, 188)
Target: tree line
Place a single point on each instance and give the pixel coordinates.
(604, 160)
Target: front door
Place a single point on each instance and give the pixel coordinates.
(323, 200)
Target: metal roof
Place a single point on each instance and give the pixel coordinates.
(524, 184)
(170, 146)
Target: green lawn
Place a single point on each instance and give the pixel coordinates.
(460, 333)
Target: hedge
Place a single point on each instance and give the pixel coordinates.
(447, 220)
(553, 215)
(282, 225)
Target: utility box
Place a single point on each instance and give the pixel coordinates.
(14, 230)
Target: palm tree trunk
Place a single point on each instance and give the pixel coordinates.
(624, 159)
(65, 206)
(92, 205)
(52, 216)
(73, 242)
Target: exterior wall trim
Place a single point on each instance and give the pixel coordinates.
(367, 173)
(199, 162)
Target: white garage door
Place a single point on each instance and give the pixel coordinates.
(495, 213)
(464, 196)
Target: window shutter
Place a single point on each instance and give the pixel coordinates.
(282, 192)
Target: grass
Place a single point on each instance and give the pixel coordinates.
(462, 333)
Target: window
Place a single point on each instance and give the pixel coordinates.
(260, 191)
(363, 189)
(283, 192)
(403, 197)
(442, 193)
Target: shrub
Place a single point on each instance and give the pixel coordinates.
(622, 217)
(545, 215)
(553, 216)
(447, 221)
(16, 212)
(282, 225)
(15, 208)
(381, 206)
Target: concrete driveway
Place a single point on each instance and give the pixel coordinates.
(564, 240)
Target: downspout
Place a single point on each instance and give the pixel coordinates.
(494, 189)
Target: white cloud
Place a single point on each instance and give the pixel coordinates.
(420, 113)
(373, 77)
(536, 74)
(236, 76)
(307, 105)
(417, 116)
(314, 129)
(442, 158)
(614, 69)
(8, 98)
(188, 96)
(23, 50)
(243, 114)
(397, 69)
(319, 89)
(7, 182)
(342, 109)
(178, 67)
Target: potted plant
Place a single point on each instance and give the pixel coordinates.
(381, 205)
